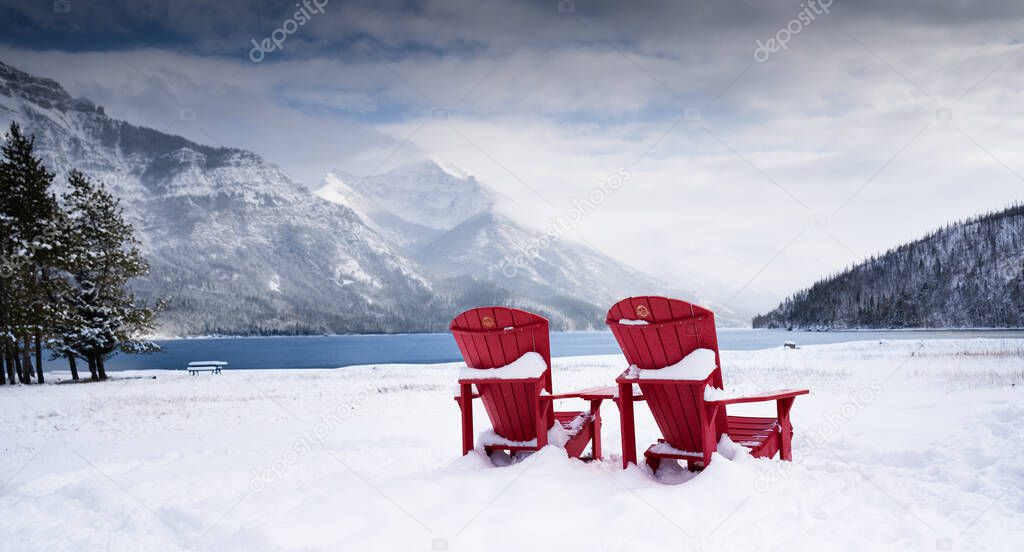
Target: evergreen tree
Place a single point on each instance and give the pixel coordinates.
(103, 316)
(10, 264)
(30, 238)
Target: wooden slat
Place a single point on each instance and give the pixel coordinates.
(661, 409)
(667, 410)
(655, 347)
(494, 404)
(758, 434)
(743, 421)
(526, 409)
(509, 341)
(510, 423)
(692, 411)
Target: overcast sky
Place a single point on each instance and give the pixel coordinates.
(768, 143)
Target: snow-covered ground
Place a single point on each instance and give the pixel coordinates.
(901, 445)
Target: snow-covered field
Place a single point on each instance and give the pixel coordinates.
(902, 445)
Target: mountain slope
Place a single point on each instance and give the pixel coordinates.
(529, 263)
(453, 231)
(411, 205)
(235, 245)
(969, 274)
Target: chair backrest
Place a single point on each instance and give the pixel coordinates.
(489, 337)
(673, 329)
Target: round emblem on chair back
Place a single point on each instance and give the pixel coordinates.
(487, 322)
(642, 311)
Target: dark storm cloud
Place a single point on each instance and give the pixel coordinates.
(395, 29)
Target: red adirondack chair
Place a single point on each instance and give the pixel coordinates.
(659, 332)
(521, 410)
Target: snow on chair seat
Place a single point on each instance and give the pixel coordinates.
(507, 357)
(696, 366)
(569, 425)
(529, 366)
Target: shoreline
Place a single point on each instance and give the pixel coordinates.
(721, 329)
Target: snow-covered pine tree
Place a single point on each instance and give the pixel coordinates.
(103, 255)
(9, 264)
(30, 244)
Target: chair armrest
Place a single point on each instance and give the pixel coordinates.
(574, 395)
(471, 397)
(761, 397)
(477, 381)
(599, 393)
(627, 376)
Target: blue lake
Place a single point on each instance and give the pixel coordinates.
(348, 350)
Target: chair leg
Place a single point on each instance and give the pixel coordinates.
(466, 405)
(542, 428)
(627, 430)
(653, 462)
(595, 409)
(785, 429)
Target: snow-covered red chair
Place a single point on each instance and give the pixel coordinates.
(672, 349)
(508, 361)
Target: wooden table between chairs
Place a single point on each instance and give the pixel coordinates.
(627, 425)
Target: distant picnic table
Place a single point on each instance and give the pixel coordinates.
(206, 366)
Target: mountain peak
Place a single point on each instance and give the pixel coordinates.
(425, 194)
(447, 168)
(45, 93)
(434, 167)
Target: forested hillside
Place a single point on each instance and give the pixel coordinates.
(968, 274)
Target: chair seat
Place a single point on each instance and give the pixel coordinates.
(578, 424)
(757, 434)
(569, 421)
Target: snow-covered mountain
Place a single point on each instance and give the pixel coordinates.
(235, 245)
(529, 263)
(238, 247)
(446, 221)
(411, 205)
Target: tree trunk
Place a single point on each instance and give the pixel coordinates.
(26, 360)
(39, 358)
(11, 368)
(3, 364)
(18, 366)
(73, 366)
(92, 368)
(100, 368)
